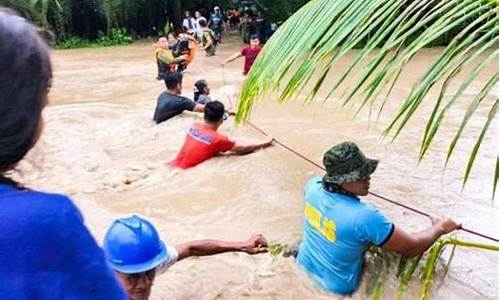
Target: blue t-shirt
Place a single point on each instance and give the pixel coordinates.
(46, 252)
(337, 232)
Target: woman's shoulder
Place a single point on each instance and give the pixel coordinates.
(33, 199)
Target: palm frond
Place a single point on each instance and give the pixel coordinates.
(308, 47)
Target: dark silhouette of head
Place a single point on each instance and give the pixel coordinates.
(25, 80)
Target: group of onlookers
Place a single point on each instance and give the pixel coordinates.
(250, 23)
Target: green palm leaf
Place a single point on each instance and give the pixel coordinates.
(304, 51)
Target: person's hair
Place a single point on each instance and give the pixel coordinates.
(203, 23)
(172, 80)
(254, 37)
(25, 77)
(214, 111)
(199, 87)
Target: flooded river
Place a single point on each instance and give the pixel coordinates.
(101, 147)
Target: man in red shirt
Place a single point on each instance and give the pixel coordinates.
(204, 142)
(249, 52)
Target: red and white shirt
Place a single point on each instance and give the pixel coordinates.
(202, 142)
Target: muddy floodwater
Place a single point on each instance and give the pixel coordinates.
(101, 147)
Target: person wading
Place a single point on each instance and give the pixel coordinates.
(198, 28)
(250, 54)
(216, 23)
(46, 252)
(339, 226)
(170, 103)
(204, 142)
(201, 92)
(208, 41)
(165, 59)
(137, 254)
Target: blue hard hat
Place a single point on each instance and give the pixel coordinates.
(132, 245)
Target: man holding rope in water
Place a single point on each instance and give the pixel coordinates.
(204, 142)
(135, 251)
(339, 227)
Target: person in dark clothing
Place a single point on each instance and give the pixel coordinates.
(259, 25)
(171, 104)
(245, 27)
(216, 23)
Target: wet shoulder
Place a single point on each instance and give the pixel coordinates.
(164, 96)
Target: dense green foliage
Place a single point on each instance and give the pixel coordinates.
(116, 37)
(80, 21)
(279, 10)
(309, 45)
(384, 266)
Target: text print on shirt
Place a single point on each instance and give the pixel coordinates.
(195, 133)
(320, 223)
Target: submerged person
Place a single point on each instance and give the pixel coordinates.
(165, 59)
(250, 54)
(201, 92)
(46, 251)
(339, 226)
(135, 251)
(204, 142)
(208, 40)
(170, 103)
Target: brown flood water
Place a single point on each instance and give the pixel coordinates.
(101, 147)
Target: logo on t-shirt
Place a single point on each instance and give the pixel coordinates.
(204, 138)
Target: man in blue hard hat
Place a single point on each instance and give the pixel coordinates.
(135, 251)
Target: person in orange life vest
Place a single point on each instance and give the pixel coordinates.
(165, 59)
(250, 53)
(204, 142)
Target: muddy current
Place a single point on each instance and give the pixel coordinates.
(101, 147)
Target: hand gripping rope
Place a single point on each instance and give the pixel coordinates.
(296, 153)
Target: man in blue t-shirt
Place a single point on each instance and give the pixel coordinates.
(339, 227)
(216, 23)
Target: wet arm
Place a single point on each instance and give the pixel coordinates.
(233, 57)
(246, 149)
(199, 108)
(410, 245)
(254, 245)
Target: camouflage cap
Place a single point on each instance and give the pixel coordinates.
(346, 163)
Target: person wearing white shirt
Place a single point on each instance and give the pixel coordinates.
(189, 23)
(199, 31)
(136, 253)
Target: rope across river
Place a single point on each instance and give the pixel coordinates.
(296, 153)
